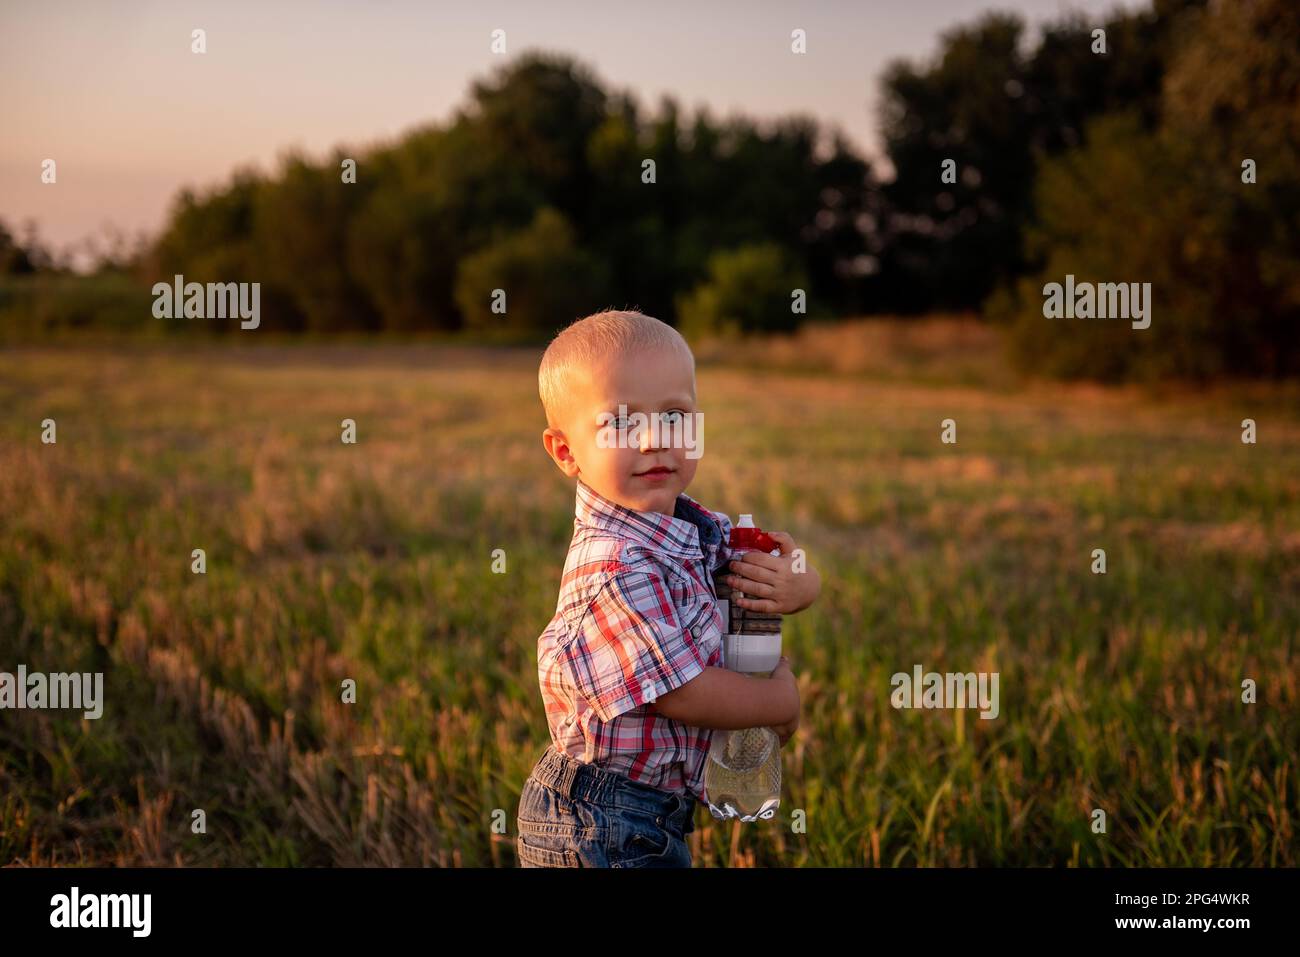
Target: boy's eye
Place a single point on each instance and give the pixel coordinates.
(671, 418)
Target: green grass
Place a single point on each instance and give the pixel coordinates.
(373, 562)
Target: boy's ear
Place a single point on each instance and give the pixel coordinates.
(557, 447)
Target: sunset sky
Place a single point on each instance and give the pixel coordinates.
(112, 93)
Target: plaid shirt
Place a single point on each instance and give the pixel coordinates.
(637, 617)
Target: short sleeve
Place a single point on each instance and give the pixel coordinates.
(631, 646)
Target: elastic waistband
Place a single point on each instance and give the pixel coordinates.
(587, 782)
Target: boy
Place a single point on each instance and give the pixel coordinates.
(630, 666)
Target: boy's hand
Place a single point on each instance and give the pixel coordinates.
(785, 732)
(769, 582)
(783, 673)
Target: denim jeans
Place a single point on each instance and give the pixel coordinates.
(573, 814)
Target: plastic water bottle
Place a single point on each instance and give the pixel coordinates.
(742, 777)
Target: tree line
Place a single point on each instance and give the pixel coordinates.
(1112, 150)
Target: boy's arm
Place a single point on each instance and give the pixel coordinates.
(632, 649)
(727, 701)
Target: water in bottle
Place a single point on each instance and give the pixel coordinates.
(742, 777)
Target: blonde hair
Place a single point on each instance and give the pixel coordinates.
(599, 337)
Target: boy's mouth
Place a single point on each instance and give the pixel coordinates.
(659, 471)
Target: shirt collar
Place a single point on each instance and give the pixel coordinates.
(681, 534)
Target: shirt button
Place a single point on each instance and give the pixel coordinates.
(659, 821)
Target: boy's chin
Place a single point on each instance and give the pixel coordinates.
(650, 500)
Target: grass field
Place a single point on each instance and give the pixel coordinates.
(372, 561)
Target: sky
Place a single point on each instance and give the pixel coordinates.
(111, 91)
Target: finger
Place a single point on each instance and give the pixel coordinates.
(760, 605)
(755, 570)
(749, 588)
(785, 540)
(762, 560)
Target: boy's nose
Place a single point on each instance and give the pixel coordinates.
(649, 441)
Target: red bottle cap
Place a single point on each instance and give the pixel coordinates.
(746, 535)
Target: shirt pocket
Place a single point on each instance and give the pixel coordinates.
(703, 621)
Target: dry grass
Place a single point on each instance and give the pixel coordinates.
(372, 562)
(950, 349)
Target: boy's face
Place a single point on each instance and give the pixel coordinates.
(650, 381)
